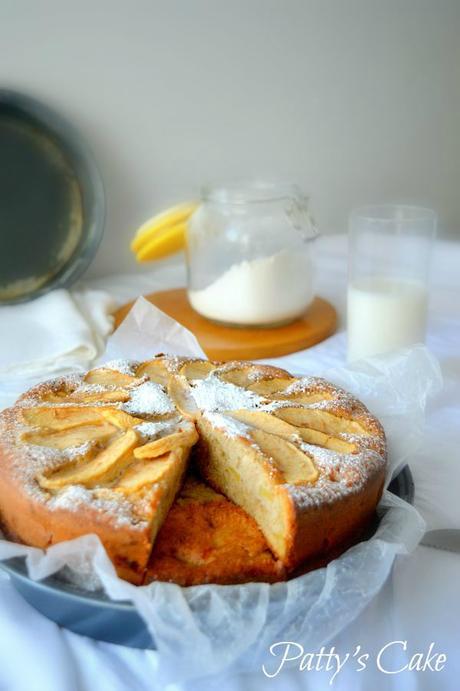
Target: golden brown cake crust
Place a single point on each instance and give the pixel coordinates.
(324, 501)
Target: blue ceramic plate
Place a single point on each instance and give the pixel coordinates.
(94, 614)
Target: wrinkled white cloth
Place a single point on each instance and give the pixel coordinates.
(420, 602)
(59, 332)
(232, 627)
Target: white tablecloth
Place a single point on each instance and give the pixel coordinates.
(420, 603)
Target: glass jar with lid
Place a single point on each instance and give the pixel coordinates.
(249, 254)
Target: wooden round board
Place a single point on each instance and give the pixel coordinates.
(229, 343)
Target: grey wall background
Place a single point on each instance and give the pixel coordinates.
(357, 100)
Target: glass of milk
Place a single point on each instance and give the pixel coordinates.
(389, 257)
(249, 254)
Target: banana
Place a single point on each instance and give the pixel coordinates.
(162, 243)
(163, 234)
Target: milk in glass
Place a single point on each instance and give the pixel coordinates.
(389, 256)
(385, 314)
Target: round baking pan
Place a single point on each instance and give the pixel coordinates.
(94, 614)
(52, 202)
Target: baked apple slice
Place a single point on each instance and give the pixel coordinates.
(101, 469)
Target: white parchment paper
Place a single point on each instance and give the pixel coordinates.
(206, 629)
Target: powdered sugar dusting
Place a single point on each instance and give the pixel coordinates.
(214, 395)
(326, 404)
(302, 384)
(151, 430)
(73, 452)
(45, 459)
(72, 498)
(34, 396)
(148, 399)
(95, 388)
(257, 374)
(232, 427)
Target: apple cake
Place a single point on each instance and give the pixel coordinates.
(286, 469)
